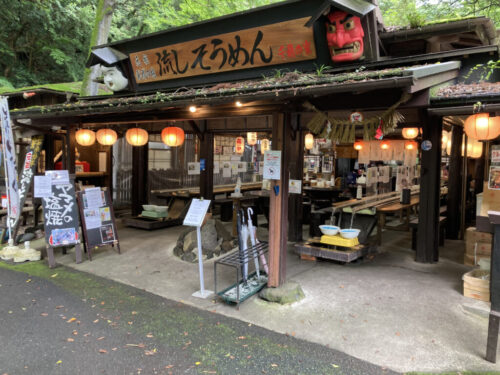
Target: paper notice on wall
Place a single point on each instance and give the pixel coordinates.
(242, 166)
(43, 186)
(272, 165)
(295, 186)
(59, 177)
(226, 169)
(234, 167)
(193, 168)
(92, 218)
(216, 167)
(93, 197)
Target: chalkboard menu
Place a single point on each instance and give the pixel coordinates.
(98, 219)
(61, 216)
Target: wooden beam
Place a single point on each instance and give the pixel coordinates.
(454, 200)
(428, 215)
(278, 206)
(139, 178)
(296, 169)
(207, 157)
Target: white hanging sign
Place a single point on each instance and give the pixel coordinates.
(272, 165)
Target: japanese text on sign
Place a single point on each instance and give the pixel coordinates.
(278, 43)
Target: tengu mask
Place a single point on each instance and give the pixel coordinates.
(344, 35)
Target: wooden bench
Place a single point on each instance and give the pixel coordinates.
(414, 228)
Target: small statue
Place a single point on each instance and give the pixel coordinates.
(114, 78)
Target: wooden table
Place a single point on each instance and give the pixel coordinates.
(391, 208)
(195, 192)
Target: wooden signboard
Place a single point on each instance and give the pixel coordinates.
(61, 221)
(98, 219)
(279, 43)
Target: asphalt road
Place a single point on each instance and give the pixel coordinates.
(65, 322)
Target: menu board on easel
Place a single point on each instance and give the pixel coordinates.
(61, 219)
(98, 219)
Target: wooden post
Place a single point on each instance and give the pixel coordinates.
(428, 216)
(139, 178)
(454, 185)
(278, 205)
(296, 168)
(71, 145)
(207, 175)
(494, 323)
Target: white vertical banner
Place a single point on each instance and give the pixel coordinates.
(9, 152)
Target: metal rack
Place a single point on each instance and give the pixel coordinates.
(237, 259)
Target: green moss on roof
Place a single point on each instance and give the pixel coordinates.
(448, 20)
(73, 87)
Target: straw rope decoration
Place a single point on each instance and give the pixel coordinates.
(343, 131)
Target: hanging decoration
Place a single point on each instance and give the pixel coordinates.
(358, 146)
(309, 141)
(85, 137)
(410, 133)
(173, 136)
(251, 138)
(137, 136)
(482, 127)
(265, 145)
(239, 145)
(343, 131)
(106, 137)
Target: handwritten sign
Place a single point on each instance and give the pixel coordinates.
(272, 165)
(29, 166)
(279, 43)
(196, 213)
(61, 216)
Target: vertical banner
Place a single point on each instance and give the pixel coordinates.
(29, 166)
(9, 151)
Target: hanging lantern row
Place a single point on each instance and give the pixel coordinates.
(410, 133)
(239, 146)
(482, 127)
(309, 141)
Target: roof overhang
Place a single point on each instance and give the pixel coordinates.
(358, 8)
(106, 56)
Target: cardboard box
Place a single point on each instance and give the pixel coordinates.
(472, 235)
(471, 260)
(477, 284)
(478, 248)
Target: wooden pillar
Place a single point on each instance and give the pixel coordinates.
(428, 215)
(296, 168)
(139, 178)
(278, 205)
(48, 146)
(494, 321)
(207, 175)
(70, 151)
(454, 185)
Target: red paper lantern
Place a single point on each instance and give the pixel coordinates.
(172, 136)
(239, 146)
(411, 145)
(358, 145)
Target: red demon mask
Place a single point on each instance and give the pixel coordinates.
(344, 35)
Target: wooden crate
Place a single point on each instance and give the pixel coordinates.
(475, 286)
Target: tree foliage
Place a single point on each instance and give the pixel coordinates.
(46, 41)
(420, 12)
